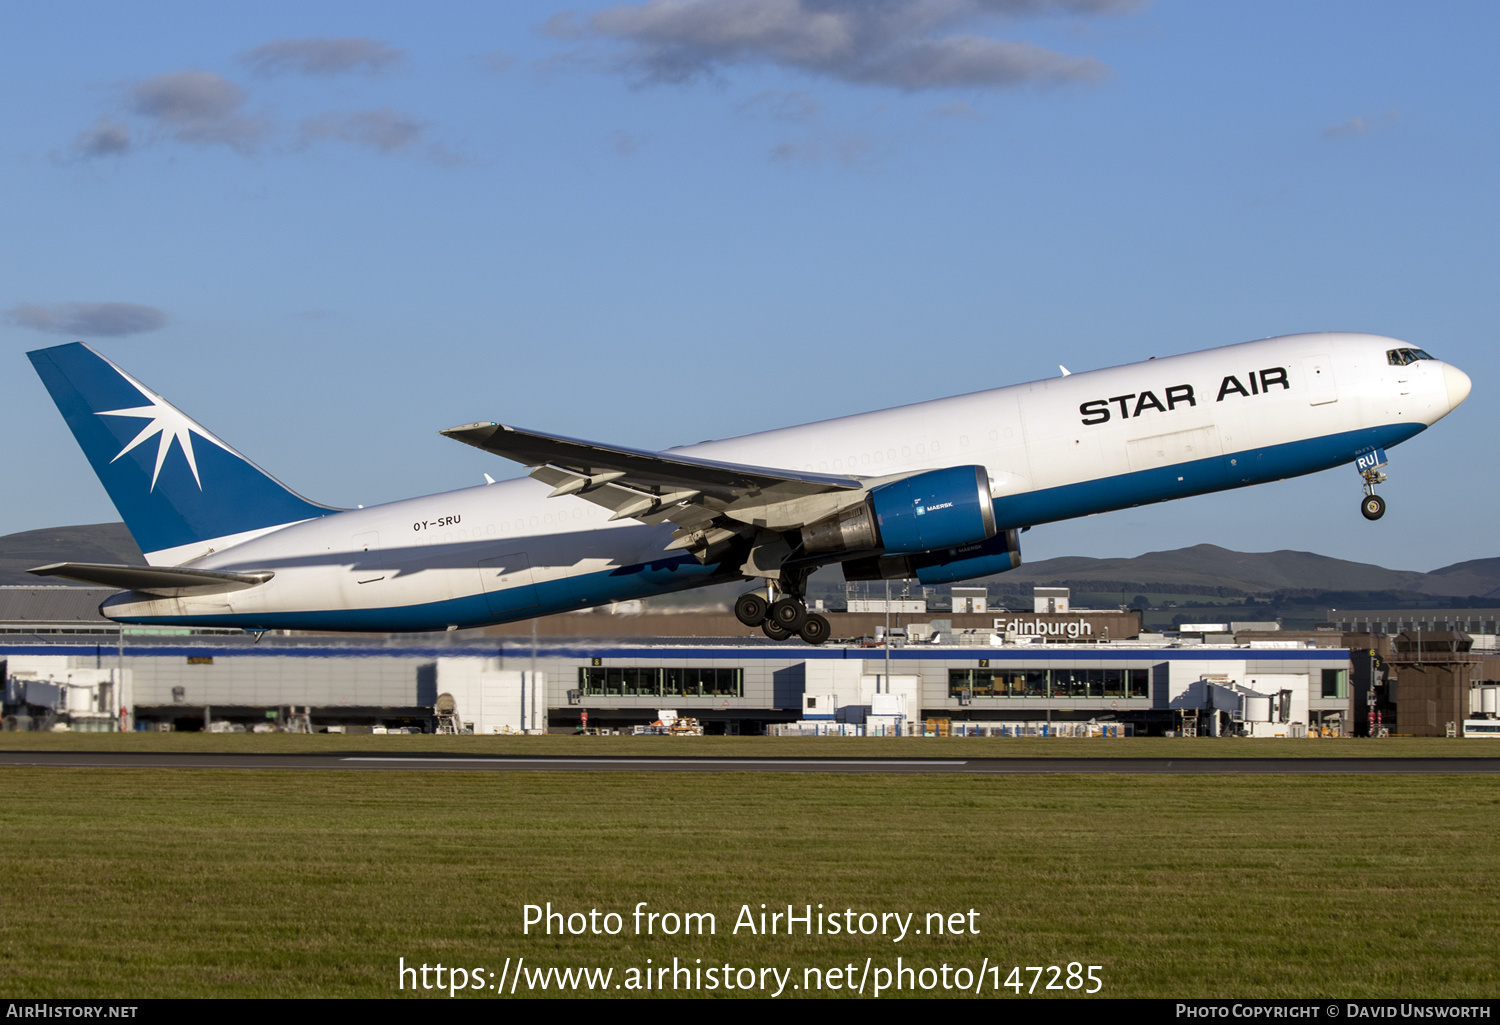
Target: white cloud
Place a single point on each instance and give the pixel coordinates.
(958, 108)
(381, 129)
(626, 143)
(849, 150)
(792, 105)
(903, 44)
(198, 107)
(1361, 125)
(88, 320)
(496, 61)
(105, 138)
(322, 56)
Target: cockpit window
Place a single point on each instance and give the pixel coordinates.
(1401, 357)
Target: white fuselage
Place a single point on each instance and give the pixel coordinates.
(1067, 446)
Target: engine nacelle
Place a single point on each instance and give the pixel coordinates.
(929, 511)
(852, 530)
(962, 562)
(965, 562)
(937, 509)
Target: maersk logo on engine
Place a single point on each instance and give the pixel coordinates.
(923, 510)
(1140, 403)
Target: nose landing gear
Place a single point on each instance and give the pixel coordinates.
(1372, 506)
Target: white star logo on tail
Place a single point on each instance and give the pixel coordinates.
(168, 423)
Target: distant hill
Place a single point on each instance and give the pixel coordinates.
(1213, 571)
(92, 542)
(1209, 569)
(1477, 577)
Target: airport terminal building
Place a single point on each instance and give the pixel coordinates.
(981, 671)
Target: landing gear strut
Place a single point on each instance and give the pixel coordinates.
(1372, 506)
(785, 616)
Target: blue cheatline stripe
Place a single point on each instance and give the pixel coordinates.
(662, 576)
(676, 573)
(1199, 477)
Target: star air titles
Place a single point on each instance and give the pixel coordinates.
(1256, 382)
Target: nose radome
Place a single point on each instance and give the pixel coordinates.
(1458, 385)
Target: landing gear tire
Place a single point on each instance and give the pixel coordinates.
(1373, 507)
(815, 630)
(750, 609)
(789, 614)
(774, 630)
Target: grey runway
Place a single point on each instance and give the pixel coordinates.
(613, 763)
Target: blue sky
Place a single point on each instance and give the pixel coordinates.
(340, 228)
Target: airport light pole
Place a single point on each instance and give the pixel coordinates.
(534, 695)
(120, 680)
(887, 683)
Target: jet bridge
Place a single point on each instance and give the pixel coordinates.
(1260, 706)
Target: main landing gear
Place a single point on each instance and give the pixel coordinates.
(782, 618)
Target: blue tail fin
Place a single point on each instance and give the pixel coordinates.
(174, 483)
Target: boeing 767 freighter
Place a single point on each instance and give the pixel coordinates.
(937, 491)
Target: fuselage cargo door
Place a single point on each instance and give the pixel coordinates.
(507, 583)
(1321, 387)
(369, 561)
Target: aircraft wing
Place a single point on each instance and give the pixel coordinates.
(641, 467)
(167, 582)
(711, 502)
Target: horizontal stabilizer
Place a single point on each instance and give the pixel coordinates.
(167, 582)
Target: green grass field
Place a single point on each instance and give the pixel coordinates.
(139, 883)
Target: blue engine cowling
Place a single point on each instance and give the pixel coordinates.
(965, 562)
(961, 562)
(937, 509)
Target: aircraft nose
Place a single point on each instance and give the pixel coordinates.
(1458, 385)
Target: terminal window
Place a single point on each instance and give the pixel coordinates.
(1049, 683)
(1000, 683)
(654, 682)
(1335, 683)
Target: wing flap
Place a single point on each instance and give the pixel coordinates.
(163, 581)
